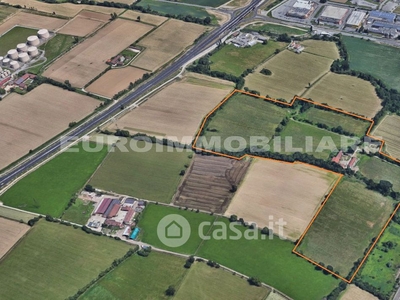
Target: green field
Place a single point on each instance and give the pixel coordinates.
(5, 11)
(244, 116)
(17, 35)
(273, 262)
(48, 189)
(220, 285)
(332, 119)
(54, 261)
(152, 175)
(377, 169)
(346, 225)
(212, 3)
(276, 29)
(381, 61)
(140, 278)
(154, 213)
(79, 212)
(235, 61)
(175, 9)
(53, 48)
(16, 215)
(381, 267)
(295, 135)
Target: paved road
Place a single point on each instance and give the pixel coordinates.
(54, 147)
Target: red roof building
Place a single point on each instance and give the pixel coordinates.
(338, 157)
(129, 216)
(4, 81)
(112, 223)
(113, 212)
(352, 162)
(105, 203)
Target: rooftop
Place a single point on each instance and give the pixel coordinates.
(334, 12)
(356, 18)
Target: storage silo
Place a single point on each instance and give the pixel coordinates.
(23, 57)
(13, 54)
(6, 62)
(43, 34)
(22, 47)
(14, 65)
(33, 51)
(33, 40)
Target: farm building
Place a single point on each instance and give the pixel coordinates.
(338, 157)
(382, 16)
(134, 233)
(333, 14)
(356, 19)
(127, 231)
(295, 47)
(129, 216)
(110, 208)
(110, 222)
(129, 201)
(21, 82)
(301, 9)
(114, 210)
(102, 207)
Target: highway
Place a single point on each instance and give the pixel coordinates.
(158, 79)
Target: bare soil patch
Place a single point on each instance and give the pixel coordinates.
(10, 233)
(84, 23)
(166, 42)
(353, 292)
(346, 92)
(209, 182)
(292, 192)
(31, 20)
(176, 111)
(146, 18)
(389, 130)
(87, 60)
(30, 120)
(115, 80)
(63, 9)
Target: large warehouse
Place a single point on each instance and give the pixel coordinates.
(356, 19)
(333, 14)
(301, 9)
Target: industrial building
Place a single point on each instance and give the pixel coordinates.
(356, 19)
(333, 15)
(242, 39)
(301, 9)
(377, 15)
(383, 23)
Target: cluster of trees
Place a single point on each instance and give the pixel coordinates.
(266, 71)
(33, 221)
(284, 37)
(114, 264)
(254, 281)
(336, 292)
(213, 264)
(189, 262)
(170, 291)
(38, 80)
(145, 251)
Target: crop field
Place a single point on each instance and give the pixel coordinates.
(48, 257)
(346, 225)
(271, 260)
(379, 169)
(389, 131)
(381, 267)
(295, 139)
(346, 92)
(375, 59)
(353, 292)
(166, 42)
(87, 60)
(54, 190)
(237, 3)
(292, 192)
(10, 233)
(276, 29)
(333, 119)
(62, 9)
(16, 215)
(143, 277)
(115, 80)
(209, 181)
(172, 113)
(16, 35)
(154, 213)
(145, 18)
(212, 3)
(174, 8)
(241, 116)
(84, 23)
(322, 48)
(6, 11)
(30, 120)
(32, 21)
(152, 175)
(220, 285)
(286, 82)
(79, 212)
(235, 61)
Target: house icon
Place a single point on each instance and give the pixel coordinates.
(174, 230)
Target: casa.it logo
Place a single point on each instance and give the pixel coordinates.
(173, 230)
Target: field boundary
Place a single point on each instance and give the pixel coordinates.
(290, 104)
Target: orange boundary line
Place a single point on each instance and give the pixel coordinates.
(334, 186)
